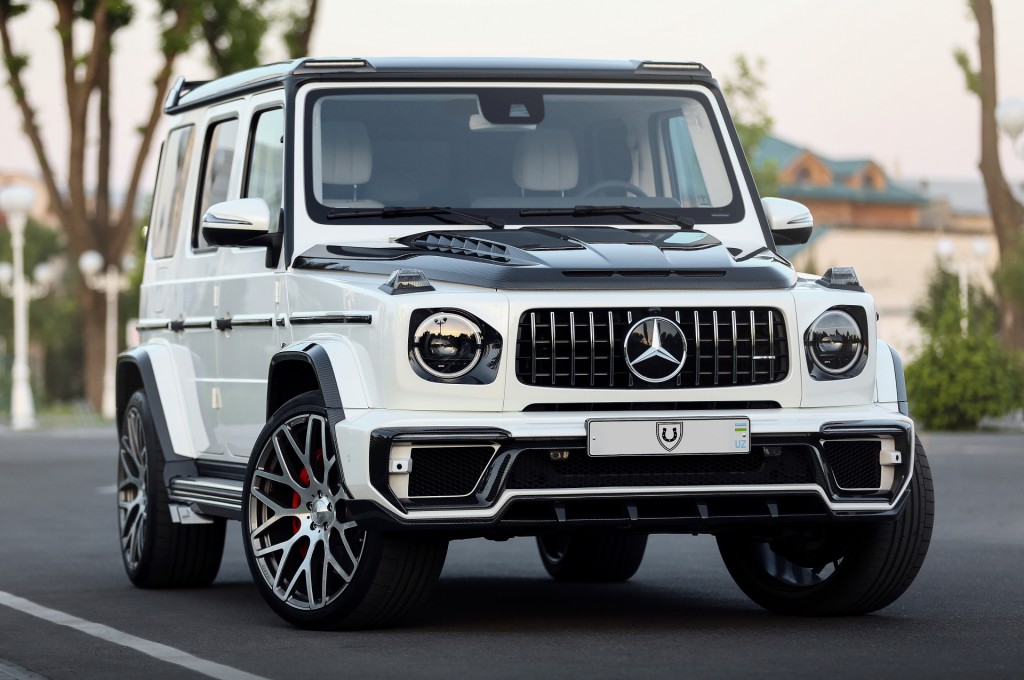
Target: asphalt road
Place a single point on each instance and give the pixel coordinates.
(495, 613)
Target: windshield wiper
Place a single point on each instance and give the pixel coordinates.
(414, 211)
(627, 211)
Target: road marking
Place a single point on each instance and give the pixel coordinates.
(12, 671)
(148, 647)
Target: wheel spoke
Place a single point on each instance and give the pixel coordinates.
(285, 545)
(276, 507)
(285, 479)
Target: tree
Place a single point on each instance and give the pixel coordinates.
(232, 31)
(1007, 212)
(959, 378)
(752, 120)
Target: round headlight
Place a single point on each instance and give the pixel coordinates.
(447, 345)
(835, 342)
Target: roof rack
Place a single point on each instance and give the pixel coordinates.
(673, 66)
(180, 88)
(306, 66)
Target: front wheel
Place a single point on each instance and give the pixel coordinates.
(595, 558)
(839, 569)
(311, 562)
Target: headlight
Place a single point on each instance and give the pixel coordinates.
(447, 345)
(835, 342)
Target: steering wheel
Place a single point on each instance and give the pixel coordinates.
(628, 187)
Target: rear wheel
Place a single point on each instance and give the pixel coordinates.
(312, 563)
(839, 569)
(157, 553)
(591, 557)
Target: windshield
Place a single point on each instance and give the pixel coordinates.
(519, 155)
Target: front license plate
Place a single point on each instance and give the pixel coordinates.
(668, 437)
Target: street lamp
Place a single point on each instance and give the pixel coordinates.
(16, 201)
(111, 283)
(962, 268)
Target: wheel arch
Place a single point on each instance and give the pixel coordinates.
(326, 364)
(890, 383)
(138, 368)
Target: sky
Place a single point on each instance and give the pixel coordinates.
(845, 78)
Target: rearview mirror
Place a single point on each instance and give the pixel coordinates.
(235, 223)
(791, 222)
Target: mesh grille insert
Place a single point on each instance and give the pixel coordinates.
(534, 469)
(854, 464)
(447, 471)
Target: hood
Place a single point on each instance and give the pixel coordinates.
(576, 258)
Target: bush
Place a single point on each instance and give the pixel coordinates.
(956, 381)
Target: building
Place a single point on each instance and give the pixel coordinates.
(841, 193)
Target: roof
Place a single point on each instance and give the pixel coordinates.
(843, 169)
(188, 94)
(775, 149)
(892, 194)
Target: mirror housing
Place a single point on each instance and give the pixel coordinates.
(791, 222)
(232, 223)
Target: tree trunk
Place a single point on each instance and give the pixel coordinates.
(1007, 213)
(93, 309)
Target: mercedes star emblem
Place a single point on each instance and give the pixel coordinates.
(655, 349)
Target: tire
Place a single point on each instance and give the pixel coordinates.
(838, 570)
(593, 558)
(157, 553)
(315, 567)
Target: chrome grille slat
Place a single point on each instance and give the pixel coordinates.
(547, 355)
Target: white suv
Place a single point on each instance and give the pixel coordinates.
(389, 304)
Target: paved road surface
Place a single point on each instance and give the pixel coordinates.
(496, 614)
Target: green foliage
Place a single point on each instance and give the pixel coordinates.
(51, 319)
(1009, 277)
(971, 76)
(956, 381)
(752, 120)
(234, 31)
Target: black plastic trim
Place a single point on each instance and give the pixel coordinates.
(901, 383)
(174, 464)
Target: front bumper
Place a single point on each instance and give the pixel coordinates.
(527, 473)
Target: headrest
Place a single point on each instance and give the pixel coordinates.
(546, 160)
(347, 158)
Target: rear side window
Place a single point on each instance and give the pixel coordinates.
(265, 176)
(218, 156)
(165, 222)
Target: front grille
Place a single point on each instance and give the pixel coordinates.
(534, 469)
(447, 471)
(583, 348)
(854, 464)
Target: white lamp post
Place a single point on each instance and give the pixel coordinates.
(962, 268)
(16, 202)
(111, 283)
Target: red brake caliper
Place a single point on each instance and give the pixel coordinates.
(297, 500)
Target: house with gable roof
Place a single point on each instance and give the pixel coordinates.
(841, 193)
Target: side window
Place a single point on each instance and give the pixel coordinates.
(165, 222)
(218, 156)
(265, 174)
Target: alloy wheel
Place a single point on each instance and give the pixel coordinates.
(132, 466)
(306, 549)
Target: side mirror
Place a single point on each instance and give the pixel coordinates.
(791, 222)
(236, 223)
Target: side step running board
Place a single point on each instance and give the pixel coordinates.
(208, 496)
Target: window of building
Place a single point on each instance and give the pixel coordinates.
(265, 173)
(218, 156)
(165, 221)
